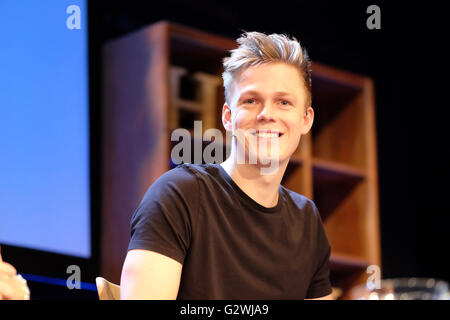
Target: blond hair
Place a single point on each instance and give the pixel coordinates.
(257, 48)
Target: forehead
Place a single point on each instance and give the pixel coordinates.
(270, 77)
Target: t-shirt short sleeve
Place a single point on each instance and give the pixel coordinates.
(163, 221)
(320, 285)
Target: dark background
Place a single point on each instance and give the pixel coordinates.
(406, 60)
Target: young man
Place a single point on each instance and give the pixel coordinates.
(230, 231)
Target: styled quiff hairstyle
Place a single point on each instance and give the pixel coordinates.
(256, 48)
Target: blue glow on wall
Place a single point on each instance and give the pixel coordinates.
(44, 128)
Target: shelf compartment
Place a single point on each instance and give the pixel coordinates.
(338, 132)
(347, 271)
(332, 183)
(296, 177)
(197, 50)
(348, 224)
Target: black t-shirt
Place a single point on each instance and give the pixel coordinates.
(231, 247)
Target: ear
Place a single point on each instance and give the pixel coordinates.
(308, 119)
(227, 118)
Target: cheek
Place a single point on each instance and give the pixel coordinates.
(296, 128)
(293, 123)
(243, 119)
(294, 132)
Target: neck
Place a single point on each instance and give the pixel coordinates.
(263, 188)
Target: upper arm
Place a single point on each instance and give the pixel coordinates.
(150, 275)
(161, 230)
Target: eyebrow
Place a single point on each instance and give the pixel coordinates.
(281, 93)
(258, 94)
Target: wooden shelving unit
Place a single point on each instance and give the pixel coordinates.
(335, 165)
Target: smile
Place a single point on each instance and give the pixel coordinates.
(267, 134)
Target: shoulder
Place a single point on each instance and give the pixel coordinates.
(179, 180)
(183, 175)
(182, 179)
(300, 202)
(175, 192)
(307, 210)
(187, 171)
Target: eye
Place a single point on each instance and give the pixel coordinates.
(285, 103)
(250, 101)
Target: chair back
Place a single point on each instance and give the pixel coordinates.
(107, 290)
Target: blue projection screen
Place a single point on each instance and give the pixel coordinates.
(44, 126)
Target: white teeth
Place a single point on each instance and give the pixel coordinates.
(267, 135)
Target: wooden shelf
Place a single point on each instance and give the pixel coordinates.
(332, 183)
(347, 271)
(197, 50)
(339, 132)
(343, 261)
(338, 168)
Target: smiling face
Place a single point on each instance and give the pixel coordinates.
(267, 112)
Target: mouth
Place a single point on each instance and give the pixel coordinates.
(267, 134)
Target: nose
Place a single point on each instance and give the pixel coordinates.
(266, 113)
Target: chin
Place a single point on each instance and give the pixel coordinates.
(267, 160)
